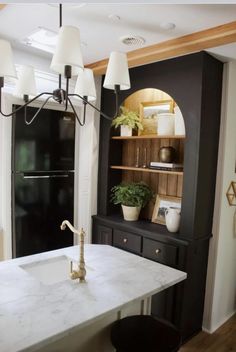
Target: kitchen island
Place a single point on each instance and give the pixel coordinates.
(42, 309)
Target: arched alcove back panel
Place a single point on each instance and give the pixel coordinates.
(135, 151)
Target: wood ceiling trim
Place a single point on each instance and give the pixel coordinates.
(209, 38)
(2, 6)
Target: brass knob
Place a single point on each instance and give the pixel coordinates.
(125, 240)
(158, 251)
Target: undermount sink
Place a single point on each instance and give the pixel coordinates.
(49, 271)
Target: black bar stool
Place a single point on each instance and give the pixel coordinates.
(143, 333)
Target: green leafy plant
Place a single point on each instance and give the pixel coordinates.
(131, 194)
(128, 118)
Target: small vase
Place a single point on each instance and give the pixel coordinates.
(167, 154)
(125, 131)
(172, 216)
(130, 213)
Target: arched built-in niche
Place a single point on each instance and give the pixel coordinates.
(138, 152)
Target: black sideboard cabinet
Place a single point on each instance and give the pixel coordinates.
(195, 83)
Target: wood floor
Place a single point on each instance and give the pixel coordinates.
(223, 340)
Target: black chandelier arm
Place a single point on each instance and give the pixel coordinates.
(93, 106)
(76, 115)
(36, 114)
(22, 106)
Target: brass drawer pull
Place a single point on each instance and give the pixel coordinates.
(125, 240)
(158, 251)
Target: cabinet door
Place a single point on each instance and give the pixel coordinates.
(163, 302)
(102, 234)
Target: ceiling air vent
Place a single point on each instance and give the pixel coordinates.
(132, 40)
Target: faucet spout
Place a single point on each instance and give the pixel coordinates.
(71, 227)
(80, 273)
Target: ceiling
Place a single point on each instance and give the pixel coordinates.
(100, 34)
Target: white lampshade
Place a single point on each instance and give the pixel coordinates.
(68, 51)
(117, 72)
(26, 83)
(7, 68)
(85, 85)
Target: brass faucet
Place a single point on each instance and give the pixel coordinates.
(81, 272)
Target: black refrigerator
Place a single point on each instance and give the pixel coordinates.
(42, 181)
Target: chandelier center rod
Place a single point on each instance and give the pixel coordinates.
(60, 25)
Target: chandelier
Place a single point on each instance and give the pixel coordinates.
(67, 60)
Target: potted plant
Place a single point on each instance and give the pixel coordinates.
(132, 197)
(127, 120)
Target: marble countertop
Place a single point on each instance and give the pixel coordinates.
(33, 314)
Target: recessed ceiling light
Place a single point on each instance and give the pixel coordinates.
(167, 25)
(114, 17)
(132, 40)
(43, 39)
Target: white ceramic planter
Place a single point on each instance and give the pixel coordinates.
(166, 124)
(130, 213)
(125, 131)
(172, 217)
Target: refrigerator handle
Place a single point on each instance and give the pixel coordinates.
(43, 176)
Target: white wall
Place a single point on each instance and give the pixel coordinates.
(220, 301)
(5, 180)
(87, 139)
(40, 63)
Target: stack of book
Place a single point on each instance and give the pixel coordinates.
(166, 166)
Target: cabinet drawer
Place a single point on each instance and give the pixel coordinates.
(160, 252)
(127, 241)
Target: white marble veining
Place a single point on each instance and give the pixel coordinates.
(34, 314)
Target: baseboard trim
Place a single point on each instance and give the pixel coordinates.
(219, 324)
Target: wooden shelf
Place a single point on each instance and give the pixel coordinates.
(150, 136)
(141, 169)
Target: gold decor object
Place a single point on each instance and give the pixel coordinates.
(167, 154)
(80, 273)
(231, 193)
(148, 112)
